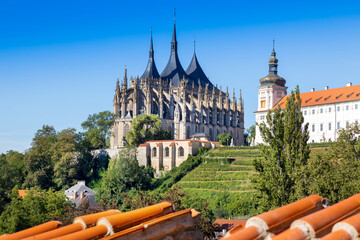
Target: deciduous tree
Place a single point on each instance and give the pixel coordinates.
(123, 174)
(225, 139)
(285, 155)
(97, 129)
(144, 128)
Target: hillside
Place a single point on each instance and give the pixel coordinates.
(224, 179)
(224, 172)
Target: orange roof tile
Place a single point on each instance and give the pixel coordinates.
(143, 144)
(48, 226)
(308, 221)
(334, 95)
(152, 222)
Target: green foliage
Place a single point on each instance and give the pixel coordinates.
(64, 158)
(9, 177)
(251, 132)
(123, 174)
(335, 174)
(285, 155)
(225, 139)
(177, 173)
(97, 129)
(38, 161)
(16, 159)
(37, 207)
(146, 127)
(58, 159)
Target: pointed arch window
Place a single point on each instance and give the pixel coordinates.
(167, 152)
(181, 151)
(154, 152)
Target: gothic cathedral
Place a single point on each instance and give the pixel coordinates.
(185, 101)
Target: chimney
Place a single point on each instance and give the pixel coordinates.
(313, 89)
(349, 84)
(326, 87)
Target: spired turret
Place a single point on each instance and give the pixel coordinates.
(151, 70)
(195, 72)
(173, 71)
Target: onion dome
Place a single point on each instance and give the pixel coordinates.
(151, 70)
(173, 71)
(273, 78)
(196, 74)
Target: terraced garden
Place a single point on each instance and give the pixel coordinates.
(223, 171)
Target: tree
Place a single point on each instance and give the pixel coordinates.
(335, 173)
(225, 138)
(285, 155)
(65, 159)
(144, 128)
(38, 160)
(37, 207)
(123, 174)
(9, 177)
(97, 129)
(251, 134)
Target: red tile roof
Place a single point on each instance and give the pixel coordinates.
(152, 222)
(304, 219)
(333, 95)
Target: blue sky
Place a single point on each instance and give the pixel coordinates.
(59, 60)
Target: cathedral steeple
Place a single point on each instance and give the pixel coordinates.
(151, 70)
(173, 41)
(195, 72)
(173, 71)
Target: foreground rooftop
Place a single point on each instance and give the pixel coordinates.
(308, 218)
(159, 221)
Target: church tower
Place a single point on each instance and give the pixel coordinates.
(271, 90)
(272, 87)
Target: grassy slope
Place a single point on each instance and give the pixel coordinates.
(226, 170)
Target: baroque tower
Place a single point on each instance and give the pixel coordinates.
(271, 90)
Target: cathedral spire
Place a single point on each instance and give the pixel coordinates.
(151, 70)
(173, 71)
(151, 52)
(173, 41)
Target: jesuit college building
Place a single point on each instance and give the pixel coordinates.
(186, 101)
(326, 110)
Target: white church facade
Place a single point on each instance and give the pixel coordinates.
(326, 110)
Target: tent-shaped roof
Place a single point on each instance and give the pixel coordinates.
(173, 71)
(151, 70)
(196, 73)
